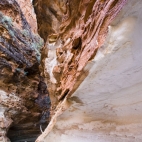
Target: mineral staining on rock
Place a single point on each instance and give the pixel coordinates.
(23, 100)
(106, 107)
(72, 54)
(73, 32)
(28, 11)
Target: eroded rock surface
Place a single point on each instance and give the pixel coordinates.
(73, 32)
(88, 62)
(28, 11)
(106, 107)
(24, 101)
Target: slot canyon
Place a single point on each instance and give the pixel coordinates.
(70, 71)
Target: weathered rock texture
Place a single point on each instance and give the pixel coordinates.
(107, 106)
(28, 11)
(90, 63)
(23, 94)
(73, 31)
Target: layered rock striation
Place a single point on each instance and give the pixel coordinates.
(93, 48)
(88, 56)
(106, 107)
(73, 35)
(24, 101)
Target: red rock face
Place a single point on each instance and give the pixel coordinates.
(23, 93)
(28, 11)
(50, 16)
(75, 29)
(91, 32)
(82, 28)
